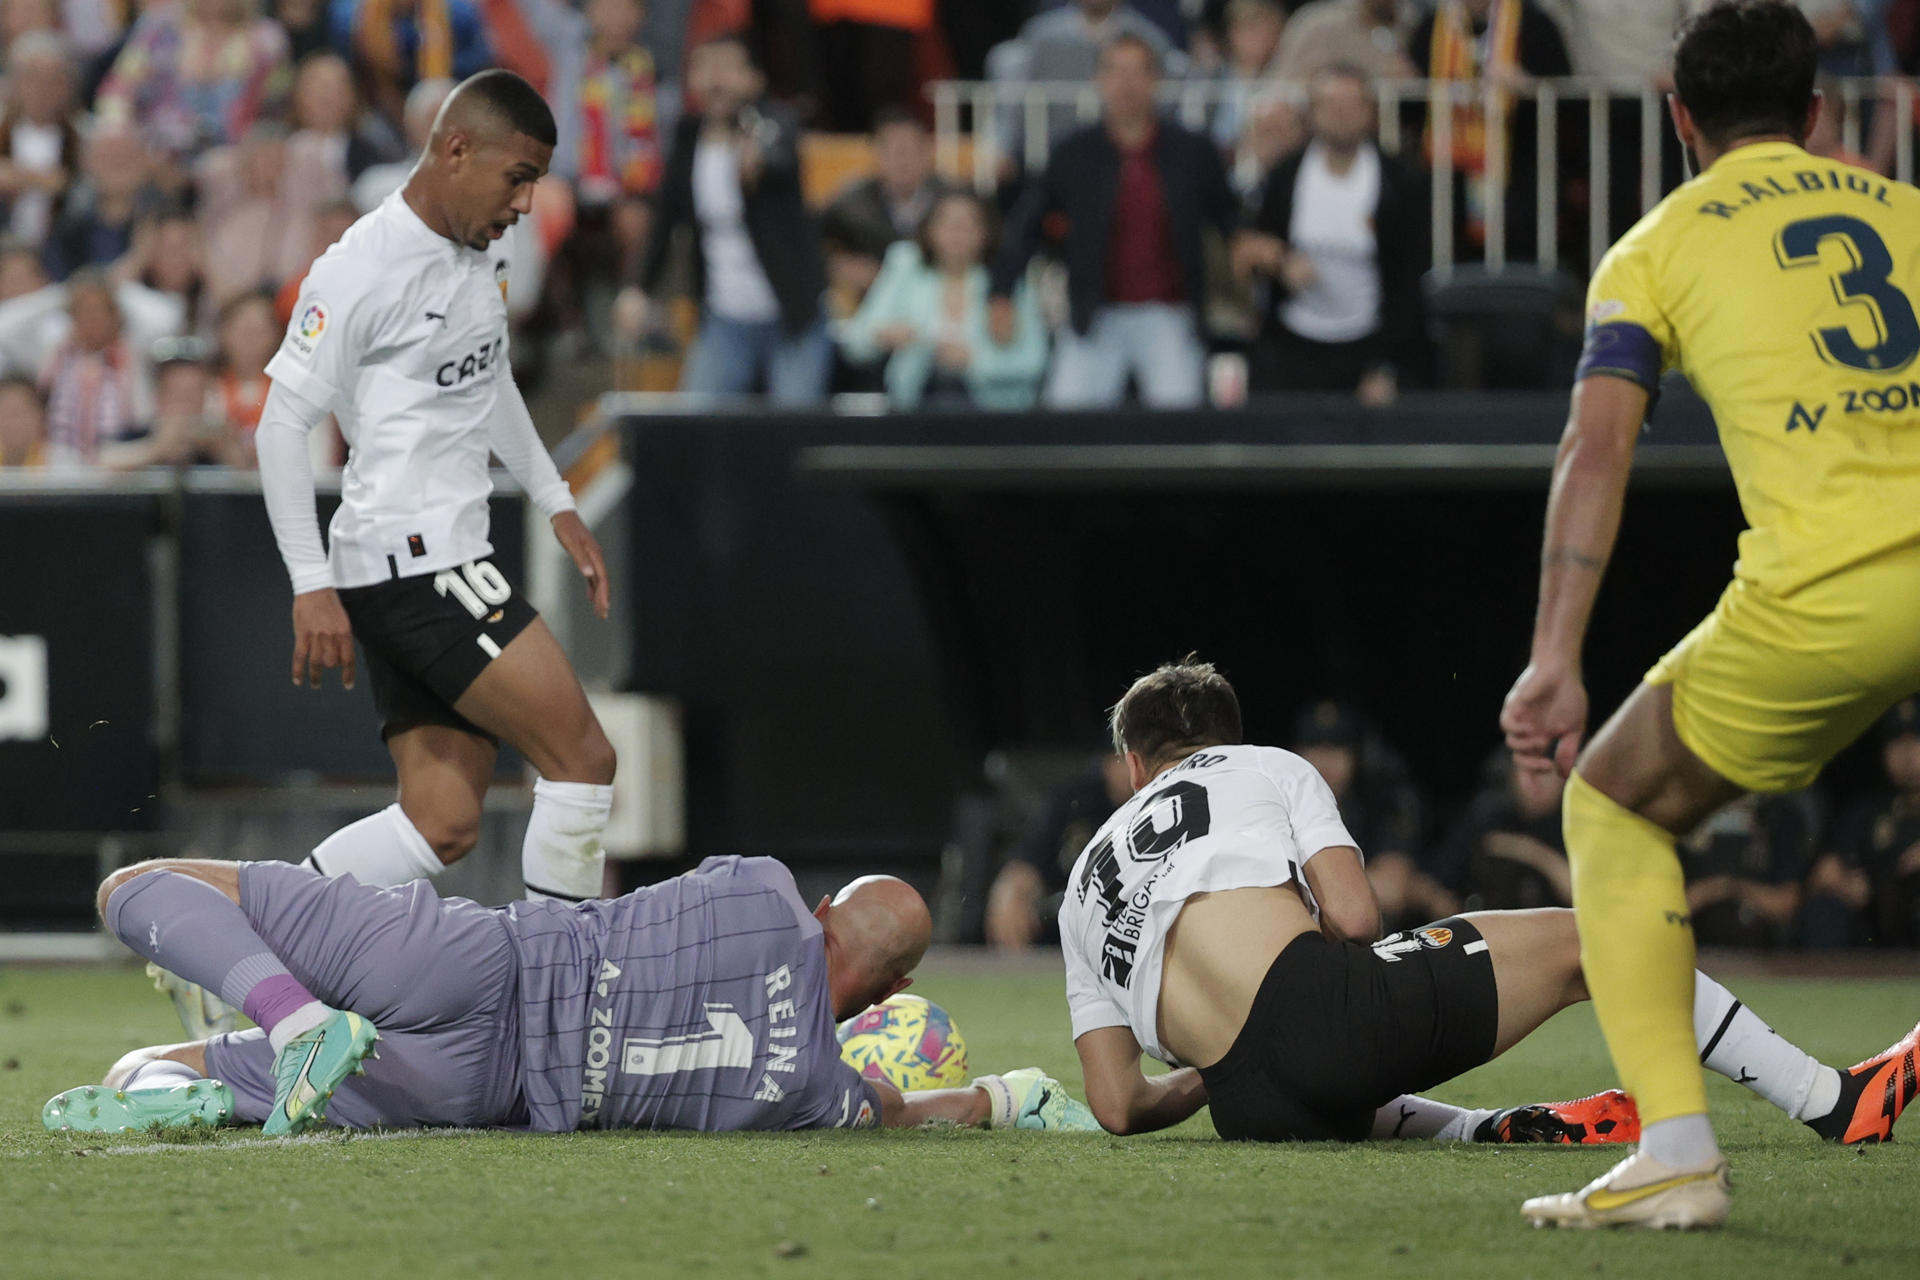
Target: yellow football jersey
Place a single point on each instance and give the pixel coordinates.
(1783, 286)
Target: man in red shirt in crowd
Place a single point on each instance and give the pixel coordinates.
(1129, 199)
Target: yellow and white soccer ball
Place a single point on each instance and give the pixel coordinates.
(909, 1042)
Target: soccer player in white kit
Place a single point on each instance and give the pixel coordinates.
(401, 334)
(1221, 921)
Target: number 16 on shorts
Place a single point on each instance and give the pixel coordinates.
(477, 585)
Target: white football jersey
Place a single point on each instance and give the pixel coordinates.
(402, 335)
(1224, 818)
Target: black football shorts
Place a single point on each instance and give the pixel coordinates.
(1340, 1029)
(426, 638)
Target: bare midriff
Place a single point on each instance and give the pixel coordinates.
(1217, 955)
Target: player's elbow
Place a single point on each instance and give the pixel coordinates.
(1352, 921)
(1115, 1117)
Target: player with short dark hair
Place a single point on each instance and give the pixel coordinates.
(1783, 285)
(401, 333)
(1221, 921)
(705, 1002)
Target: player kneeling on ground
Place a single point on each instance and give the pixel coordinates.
(1221, 919)
(706, 1002)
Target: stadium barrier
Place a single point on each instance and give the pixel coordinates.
(982, 126)
(849, 614)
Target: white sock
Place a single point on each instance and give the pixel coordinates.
(299, 1022)
(1738, 1044)
(381, 849)
(1684, 1142)
(158, 1073)
(562, 859)
(1411, 1116)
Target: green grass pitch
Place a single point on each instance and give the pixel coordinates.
(931, 1205)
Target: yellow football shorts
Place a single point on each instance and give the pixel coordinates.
(1770, 687)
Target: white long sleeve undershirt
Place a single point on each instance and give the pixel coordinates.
(286, 480)
(516, 442)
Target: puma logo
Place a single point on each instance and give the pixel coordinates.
(1744, 1078)
(1680, 918)
(441, 316)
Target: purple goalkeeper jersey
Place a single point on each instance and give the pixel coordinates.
(699, 1003)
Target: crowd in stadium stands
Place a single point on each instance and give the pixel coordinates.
(169, 168)
(1765, 872)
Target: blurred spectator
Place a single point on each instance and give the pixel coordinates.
(306, 25)
(1065, 45)
(1254, 28)
(1865, 885)
(21, 271)
(198, 73)
(1629, 43)
(873, 214)
(1507, 849)
(250, 333)
(39, 146)
(1340, 242)
(168, 261)
(1852, 35)
(334, 139)
(1381, 809)
(865, 57)
(396, 44)
(1136, 192)
(1023, 904)
(610, 151)
(927, 315)
(96, 225)
(379, 181)
(1364, 34)
(97, 388)
(35, 317)
(733, 176)
(1274, 130)
(261, 228)
(1506, 44)
(329, 222)
(185, 429)
(1744, 868)
(23, 424)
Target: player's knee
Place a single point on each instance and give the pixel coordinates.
(123, 876)
(451, 834)
(597, 761)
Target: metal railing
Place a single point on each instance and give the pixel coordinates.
(1020, 119)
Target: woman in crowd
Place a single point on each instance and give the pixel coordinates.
(249, 335)
(926, 314)
(198, 73)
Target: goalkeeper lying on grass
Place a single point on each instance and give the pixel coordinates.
(707, 1002)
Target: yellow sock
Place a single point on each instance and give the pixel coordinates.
(1636, 947)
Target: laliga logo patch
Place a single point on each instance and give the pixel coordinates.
(1605, 310)
(308, 328)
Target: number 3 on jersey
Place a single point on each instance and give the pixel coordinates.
(1867, 286)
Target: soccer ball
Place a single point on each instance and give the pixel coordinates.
(909, 1042)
